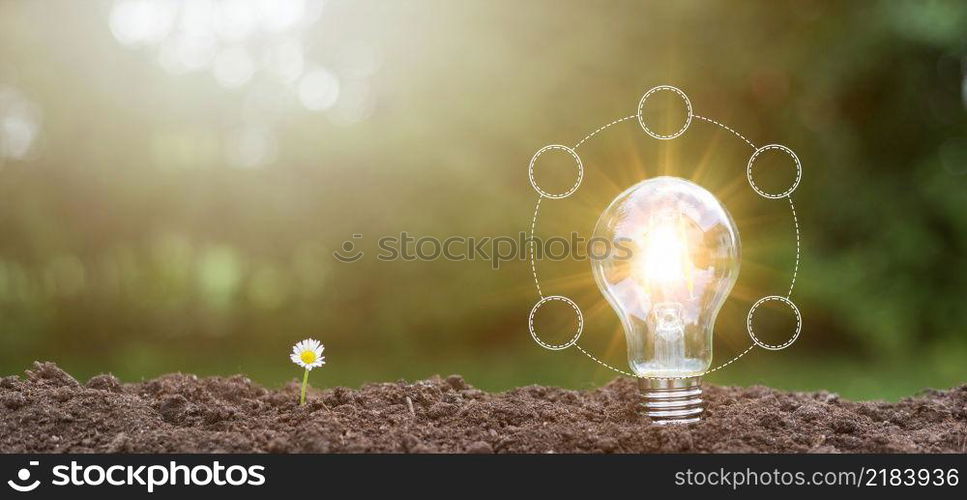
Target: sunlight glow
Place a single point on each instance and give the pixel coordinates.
(234, 39)
(285, 59)
(318, 90)
(19, 124)
(136, 22)
(250, 147)
(233, 67)
(257, 48)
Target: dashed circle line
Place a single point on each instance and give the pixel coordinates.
(629, 374)
(592, 134)
(776, 298)
(795, 269)
(533, 261)
(776, 147)
(726, 127)
(602, 363)
(733, 360)
(688, 116)
(555, 347)
(577, 160)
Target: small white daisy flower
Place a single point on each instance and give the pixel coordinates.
(308, 354)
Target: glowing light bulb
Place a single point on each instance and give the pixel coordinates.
(681, 264)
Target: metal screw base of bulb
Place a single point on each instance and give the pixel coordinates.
(672, 401)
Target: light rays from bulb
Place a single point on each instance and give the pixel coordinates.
(615, 162)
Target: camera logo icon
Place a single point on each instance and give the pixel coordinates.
(23, 475)
(348, 252)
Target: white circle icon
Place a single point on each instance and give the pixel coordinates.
(577, 161)
(777, 298)
(688, 112)
(577, 334)
(774, 147)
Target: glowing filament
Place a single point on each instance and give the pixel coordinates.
(665, 263)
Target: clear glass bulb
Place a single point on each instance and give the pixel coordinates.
(674, 260)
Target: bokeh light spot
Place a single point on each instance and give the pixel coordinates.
(318, 90)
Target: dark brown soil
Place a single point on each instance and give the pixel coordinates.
(49, 411)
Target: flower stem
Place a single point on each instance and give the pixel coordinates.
(305, 382)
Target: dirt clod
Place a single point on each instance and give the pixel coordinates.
(105, 383)
(49, 411)
(480, 447)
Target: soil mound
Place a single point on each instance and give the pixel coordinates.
(49, 411)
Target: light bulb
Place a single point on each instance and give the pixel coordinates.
(674, 260)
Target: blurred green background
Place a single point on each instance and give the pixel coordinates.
(175, 175)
